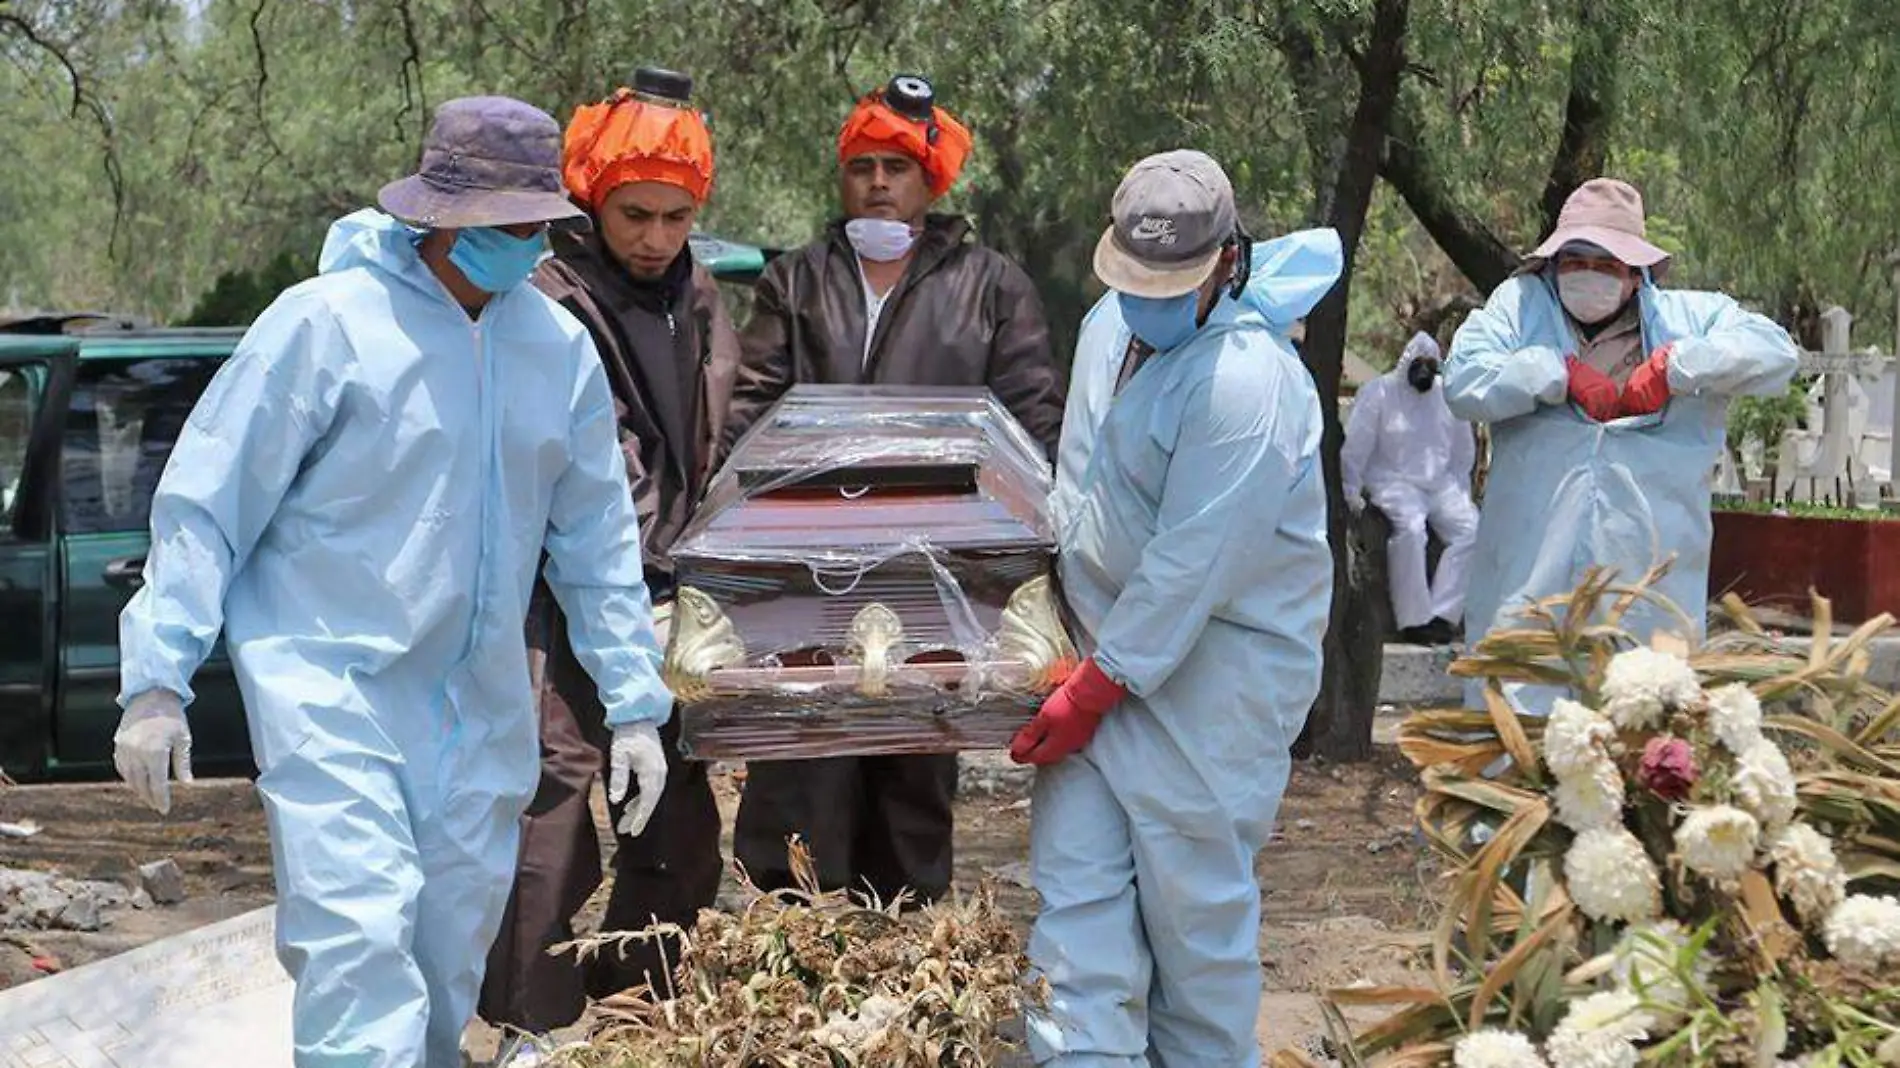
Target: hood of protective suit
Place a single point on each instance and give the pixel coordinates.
(1291, 275)
(1422, 347)
(369, 238)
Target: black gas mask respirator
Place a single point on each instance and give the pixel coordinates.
(1421, 374)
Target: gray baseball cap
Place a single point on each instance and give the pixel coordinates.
(487, 161)
(1172, 214)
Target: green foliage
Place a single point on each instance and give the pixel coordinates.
(1766, 419)
(242, 127)
(1804, 510)
(237, 297)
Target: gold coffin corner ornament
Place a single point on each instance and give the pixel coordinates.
(703, 641)
(875, 631)
(1032, 632)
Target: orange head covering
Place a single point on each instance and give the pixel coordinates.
(626, 139)
(940, 146)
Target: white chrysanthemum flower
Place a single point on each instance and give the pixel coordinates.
(1611, 878)
(1864, 932)
(845, 1031)
(1591, 798)
(1576, 739)
(1641, 683)
(1764, 784)
(1646, 964)
(1600, 1031)
(1807, 872)
(1718, 841)
(1735, 715)
(1496, 1049)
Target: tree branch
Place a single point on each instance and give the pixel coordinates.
(1582, 150)
(508, 38)
(257, 103)
(82, 101)
(33, 37)
(1473, 248)
(414, 95)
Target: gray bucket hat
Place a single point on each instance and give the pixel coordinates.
(488, 161)
(1172, 214)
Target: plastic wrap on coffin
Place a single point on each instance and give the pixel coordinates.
(868, 574)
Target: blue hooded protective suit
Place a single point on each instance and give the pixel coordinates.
(1566, 493)
(360, 501)
(1191, 511)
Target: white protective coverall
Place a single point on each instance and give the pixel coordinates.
(1191, 511)
(360, 501)
(1565, 492)
(1408, 453)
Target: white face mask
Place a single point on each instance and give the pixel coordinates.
(880, 240)
(1590, 296)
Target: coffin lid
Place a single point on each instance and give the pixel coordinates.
(846, 472)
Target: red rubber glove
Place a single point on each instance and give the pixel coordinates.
(1594, 391)
(1068, 718)
(1648, 388)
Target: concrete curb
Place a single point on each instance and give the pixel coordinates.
(1415, 676)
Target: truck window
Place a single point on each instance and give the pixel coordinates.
(124, 419)
(16, 423)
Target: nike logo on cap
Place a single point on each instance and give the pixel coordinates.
(1154, 228)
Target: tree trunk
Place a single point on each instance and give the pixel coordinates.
(1340, 725)
(1589, 110)
(1582, 149)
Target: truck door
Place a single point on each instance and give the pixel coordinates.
(124, 416)
(35, 378)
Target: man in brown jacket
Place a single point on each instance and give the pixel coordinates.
(641, 163)
(896, 295)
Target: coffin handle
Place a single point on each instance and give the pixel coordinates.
(875, 632)
(703, 641)
(1032, 634)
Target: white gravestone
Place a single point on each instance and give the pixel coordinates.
(212, 996)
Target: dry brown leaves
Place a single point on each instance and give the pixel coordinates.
(804, 979)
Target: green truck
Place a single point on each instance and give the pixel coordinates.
(86, 425)
(87, 422)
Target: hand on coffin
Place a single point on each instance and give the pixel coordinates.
(1069, 718)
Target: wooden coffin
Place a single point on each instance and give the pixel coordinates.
(868, 574)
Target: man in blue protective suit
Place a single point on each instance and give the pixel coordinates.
(360, 501)
(1191, 513)
(1607, 398)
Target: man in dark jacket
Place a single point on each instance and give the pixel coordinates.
(641, 163)
(896, 295)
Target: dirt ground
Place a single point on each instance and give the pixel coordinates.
(1346, 889)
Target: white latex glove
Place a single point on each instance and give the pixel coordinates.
(636, 754)
(152, 743)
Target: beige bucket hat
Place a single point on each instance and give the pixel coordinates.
(1607, 213)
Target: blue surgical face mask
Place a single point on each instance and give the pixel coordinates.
(495, 261)
(1162, 322)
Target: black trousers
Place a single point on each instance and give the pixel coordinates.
(877, 824)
